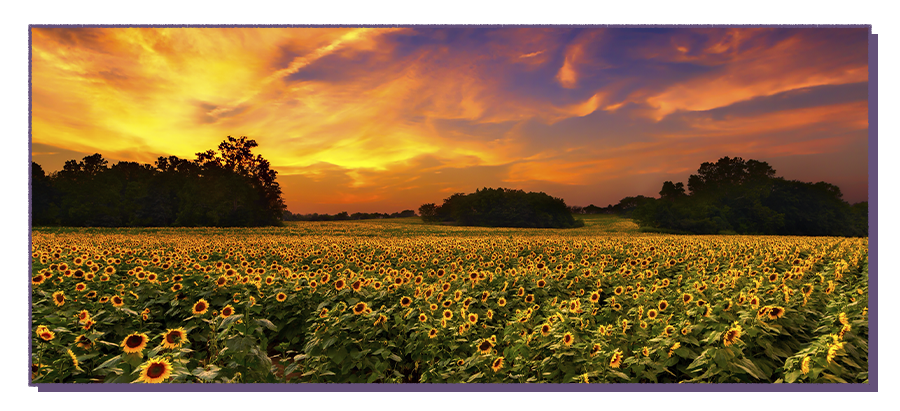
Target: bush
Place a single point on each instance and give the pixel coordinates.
(503, 207)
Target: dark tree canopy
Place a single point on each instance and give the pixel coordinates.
(502, 207)
(735, 196)
(228, 188)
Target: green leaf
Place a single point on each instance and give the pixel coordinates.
(110, 362)
(207, 374)
(230, 320)
(792, 376)
(750, 368)
(266, 323)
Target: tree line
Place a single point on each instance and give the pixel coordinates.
(745, 197)
(501, 207)
(228, 187)
(344, 216)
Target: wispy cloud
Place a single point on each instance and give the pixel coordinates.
(380, 119)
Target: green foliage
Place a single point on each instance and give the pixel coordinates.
(228, 188)
(502, 207)
(734, 196)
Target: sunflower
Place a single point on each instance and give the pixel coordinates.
(529, 298)
(651, 314)
(473, 318)
(645, 352)
(545, 330)
(134, 343)
(844, 330)
(433, 333)
(687, 298)
(423, 317)
(83, 342)
(501, 301)
(45, 333)
(669, 330)
(74, 358)
(595, 296)
(485, 346)
(59, 298)
(754, 301)
(763, 311)
(732, 335)
(83, 316)
(227, 311)
(381, 319)
(360, 308)
(155, 371)
(174, 338)
(406, 301)
(448, 314)
(674, 347)
(804, 365)
(775, 312)
(117, 301)
(662, 305)
(616, 360)
(88, 324)
(595, 349)
(568, 339)
(619, 290)
(281, 297)
(842, 318)
(497, 364)
(38, 279)
(200, 307)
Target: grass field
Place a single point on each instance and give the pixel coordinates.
(400, 301)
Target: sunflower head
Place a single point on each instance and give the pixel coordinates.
(281, 297)
(616, 360)
(59, 298)
(775, 312)
(732, 335)
(485, 346)
(568, 339)
(545, 330)
(156, 370)
(134, 343)
(473, 318)
(174, 338)
(662, 305)
(227, 311)
(497, 364)
(200, 307)
(405, 302)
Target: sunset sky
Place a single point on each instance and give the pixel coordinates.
(386, 119)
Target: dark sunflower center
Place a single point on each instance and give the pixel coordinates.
(485, 345)
(226, 312)
(172, 337)
(200, 307)
(60, 298)
(134, 341)
(155, 370)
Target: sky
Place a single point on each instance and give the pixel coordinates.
(382, 119)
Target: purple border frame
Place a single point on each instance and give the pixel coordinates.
(872, 386)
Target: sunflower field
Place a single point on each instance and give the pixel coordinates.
(397, 301)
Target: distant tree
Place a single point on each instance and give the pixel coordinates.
(735, 196)
(504, 208)
(672, 191)
(592, 209)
